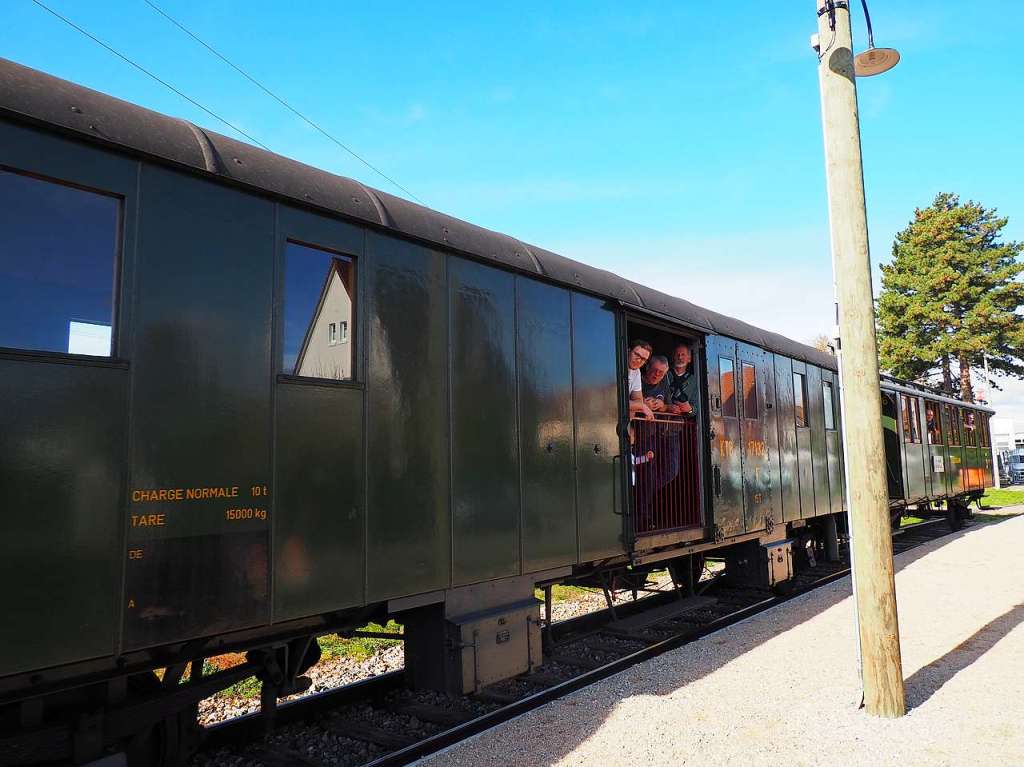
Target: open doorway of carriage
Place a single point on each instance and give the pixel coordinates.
(665, 459)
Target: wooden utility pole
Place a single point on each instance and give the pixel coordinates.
(867, 492)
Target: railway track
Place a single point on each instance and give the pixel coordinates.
(379, 723)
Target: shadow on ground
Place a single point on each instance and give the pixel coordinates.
(927, 680)
(587, 717)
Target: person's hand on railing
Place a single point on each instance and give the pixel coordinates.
(681, 408)
(655, 404)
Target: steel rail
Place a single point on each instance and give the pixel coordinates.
(251, 726)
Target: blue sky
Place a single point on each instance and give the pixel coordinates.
(678, 144)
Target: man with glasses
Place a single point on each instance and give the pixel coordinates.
(639, 353)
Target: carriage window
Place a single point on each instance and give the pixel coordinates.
(953, 424)
(728, 385)
(969, 436)
(58, 255)
(749, 390)
(830, 413)
(984, 438)
(318, 302)
(911, 419)
(933, 423)
(799, 398)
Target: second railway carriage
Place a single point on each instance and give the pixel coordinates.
(244, 402)
(937, 448)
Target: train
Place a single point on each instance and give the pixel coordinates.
(245, 403)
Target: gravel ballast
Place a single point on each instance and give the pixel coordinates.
(782, 687)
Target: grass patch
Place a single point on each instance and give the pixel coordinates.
(561, 593)
(1000, 498)
(910, 519)
(331, 646)
(359, 648)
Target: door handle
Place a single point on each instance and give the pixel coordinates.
(716, 480)
(616, 486)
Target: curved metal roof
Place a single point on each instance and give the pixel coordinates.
(28, 95)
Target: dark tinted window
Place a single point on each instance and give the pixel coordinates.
(749, 391)
(319, 297)
(953, 424)
(933, 423)
(799, 398)
(911, 419)
(970, 438)
(725, 371)
(826, 397)
(58, 254)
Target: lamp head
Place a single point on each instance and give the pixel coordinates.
(874, 61)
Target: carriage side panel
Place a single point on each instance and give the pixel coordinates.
(544, 354)
(789, 483)
(596, 411)
(819, 450)
(485, 446)
(408, 522)
(200, 411)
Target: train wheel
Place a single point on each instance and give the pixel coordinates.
(166, 744)
(170, 741)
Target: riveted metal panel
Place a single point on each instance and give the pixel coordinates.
(976, 475)
(805, 464)
(485, 449)
(944, 483)
(819, 455)
(985, 449)
(954, 436)
(789, 477)
(913, 453)
(972, 480)
(757, 472)
(61, 479)
(408, 520)
(933, 451)
(318, 508)
(726, 463)
(200, 426)
(62, 467)
(771, 417)
(596, 410)
(544, 353)
(833, 445)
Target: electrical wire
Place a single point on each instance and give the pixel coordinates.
(146, 72)
(277, 98)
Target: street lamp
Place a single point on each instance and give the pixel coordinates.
(866, 489)
(874, 60)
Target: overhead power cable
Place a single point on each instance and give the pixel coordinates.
(146, 72)
(277, 98)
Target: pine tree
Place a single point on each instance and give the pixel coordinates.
(951, 294)
(822, 343)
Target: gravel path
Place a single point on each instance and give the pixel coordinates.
(335, 672)
(782, 687)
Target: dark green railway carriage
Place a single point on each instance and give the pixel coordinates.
(936, 447)
(244, 402)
